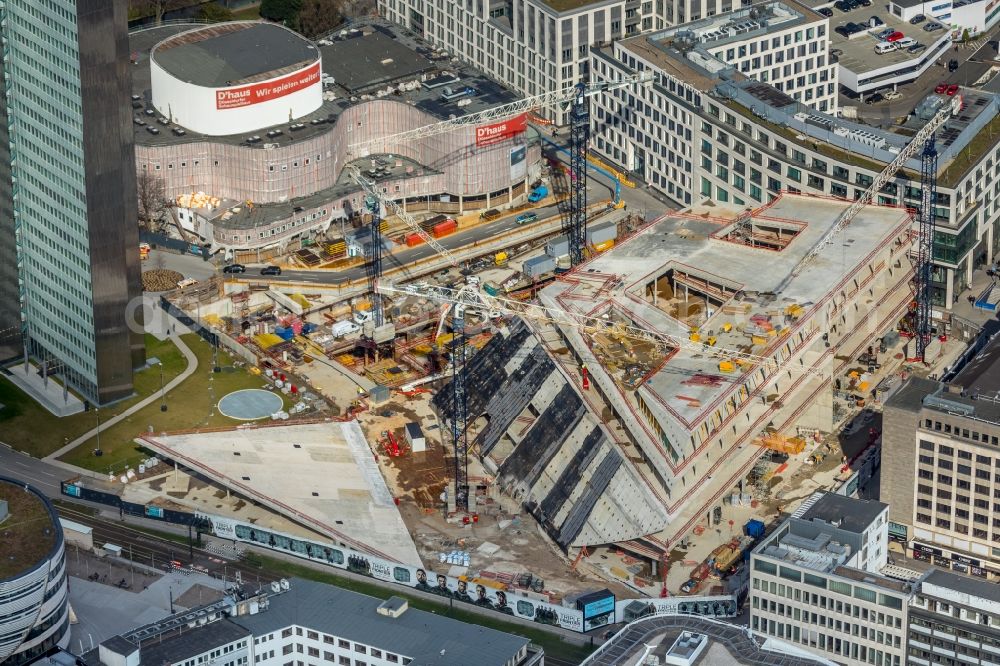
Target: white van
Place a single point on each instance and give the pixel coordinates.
(884, 47)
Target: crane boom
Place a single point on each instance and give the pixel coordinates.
(852, 211)
(548, 99)
(372, 190)
(463, 298)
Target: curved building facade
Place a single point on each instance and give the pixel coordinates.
(34, 592)
(278, 178)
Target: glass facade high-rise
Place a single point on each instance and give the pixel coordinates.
(72, 191)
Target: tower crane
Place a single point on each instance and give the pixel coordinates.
(925, 235)
(578, 97)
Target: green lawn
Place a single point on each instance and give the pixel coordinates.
(27, 426)
(554, 645)
(191, 405)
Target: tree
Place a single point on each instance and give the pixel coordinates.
(318, 17)
(215, 13)
(152, 199)
(965, 35)
(154, 8)
(280, 10)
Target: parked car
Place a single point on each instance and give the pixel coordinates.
(525, 218)
(916, 48)
(234, 268)
(918, 19)
(932, 26)
(940, 88)
(270, 270)
(952, 65)
(905, 43)
(891, 95)
(875, 99)
(895, 37)
(952, 89)
(825, 11)
(865, 3)
(876, 22)
(882, 34)
(843, 6)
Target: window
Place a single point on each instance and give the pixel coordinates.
(312, 635)
(765, 567)
(313, 652)
(360, 649)
(791, 574)
(815, 581)
(842, 588)
(344, 644)
(864, 594)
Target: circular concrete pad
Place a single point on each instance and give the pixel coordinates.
(250, 404)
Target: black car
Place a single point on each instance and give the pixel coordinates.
(270, 270)
(234, 268)
(952, 65)
(875, 99)
(826, 11)
(918, 19)
(843, 6)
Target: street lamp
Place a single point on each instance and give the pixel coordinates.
(163, 396)
(98, 452)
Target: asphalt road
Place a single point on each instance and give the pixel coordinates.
(405, 256)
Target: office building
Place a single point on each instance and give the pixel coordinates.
(706, 131)
(939, 441)
(817, 582)
(953, 619)
(34, 592)
(303, 622)
(72, 167)
(532, 46)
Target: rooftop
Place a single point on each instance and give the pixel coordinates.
(858, 51)
(728, 645)
(974, 587)
(981, 376)
(30, 532)
(229, 54)
(188, 643)
(321, 476)
(688, 258)
(365, 60)
(427, 638)
(847, 513)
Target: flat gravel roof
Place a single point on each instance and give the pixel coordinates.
(229, 54)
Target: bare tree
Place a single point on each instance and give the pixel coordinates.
(317, 17)
(155, 8)
(152, 198)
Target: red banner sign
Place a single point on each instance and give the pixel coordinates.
(487, 134)
(255, 93)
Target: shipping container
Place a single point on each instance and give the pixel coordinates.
(491, 288)
(444, 228)
(599, 233)
(430, 223)
(557, 247)
(604, 246)
(754, 529)
(537, 266)
(414, 239)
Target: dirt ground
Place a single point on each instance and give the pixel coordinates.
(506, 540)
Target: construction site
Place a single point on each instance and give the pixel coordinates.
(612, 403)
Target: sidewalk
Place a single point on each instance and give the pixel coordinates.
(192, 365)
